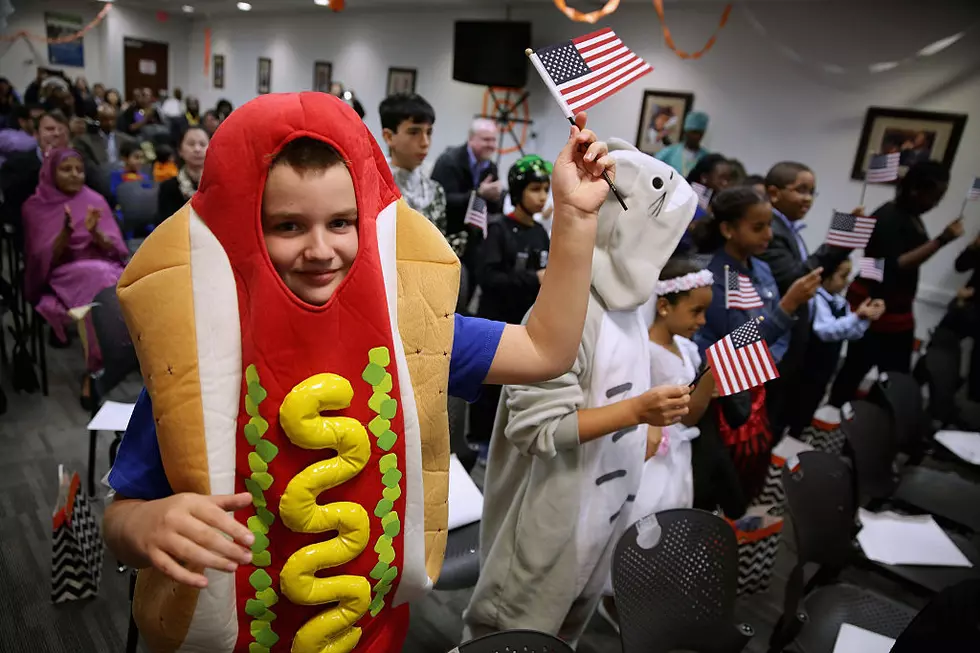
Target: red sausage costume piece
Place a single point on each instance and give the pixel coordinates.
(333, 417)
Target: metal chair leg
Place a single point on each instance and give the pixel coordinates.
(93, 440)
(133, 634)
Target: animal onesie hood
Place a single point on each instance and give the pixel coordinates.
(554, 508)
(333, 417)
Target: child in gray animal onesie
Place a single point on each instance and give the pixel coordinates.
(566, 456)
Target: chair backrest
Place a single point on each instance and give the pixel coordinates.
(942, 362)
(118, 353)
(674, 576)
(950, 622)
(820, 496)
(515, 641)
(901, 394)
(870, 433)
(138, 202)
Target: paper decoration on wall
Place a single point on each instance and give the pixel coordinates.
(658, 5)
(508, 107)
(65, 38)
(207, 51)
(878, 67)
(337, 5)
(592, 16)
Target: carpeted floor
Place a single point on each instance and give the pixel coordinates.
(39, 433)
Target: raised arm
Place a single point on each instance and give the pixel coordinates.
(545, 347)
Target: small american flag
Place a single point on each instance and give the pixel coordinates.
(974, 193)
(704, 194)
(739, 291)
(476, 213)
(850, 231)
(883, 168)
(741, 360)
(871, 268)
(584, 71)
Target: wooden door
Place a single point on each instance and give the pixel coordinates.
(146, 66)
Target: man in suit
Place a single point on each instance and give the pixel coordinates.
(464, 169)
(20, 172)
(100, 150)
(791, 188)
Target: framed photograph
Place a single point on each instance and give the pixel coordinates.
(401, 80)
(265, 76)
(219, 70)
(915, 135)
(322, 76)
(662, 119)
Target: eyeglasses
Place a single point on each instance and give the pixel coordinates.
(804, 191)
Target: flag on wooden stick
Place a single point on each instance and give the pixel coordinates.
(871, 268)
(739, 291)
(741, 360)
(883, 168)
(850, 231)
(974, 193)
(476, 213)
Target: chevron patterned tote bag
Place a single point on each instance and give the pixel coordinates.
(758, 534)
(76, 545)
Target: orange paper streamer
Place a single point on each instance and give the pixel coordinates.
(669, 40)
(337, 5)
(592, 16)
(207, 51)
(68, 38)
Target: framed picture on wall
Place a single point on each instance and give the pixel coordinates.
(322, 76)
(662, 119)
(401, 80)
(915, 135)
(219, 70)
(265, 76)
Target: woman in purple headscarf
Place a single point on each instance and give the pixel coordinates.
(73, 245)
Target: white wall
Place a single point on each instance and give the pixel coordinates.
(103, 44)
(764, 106)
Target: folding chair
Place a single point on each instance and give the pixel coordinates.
(674, 576)
(515, 641)
(138, 204)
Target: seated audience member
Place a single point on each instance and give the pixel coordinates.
(102, 147)
(98, 94)
(176, 192)
(8, 100)
(739, 232)
(461, 171)
(85, 103)
(138, 114)
(165, 167)
(223, 109)
(901, 239)
(190, 118)
(683, 156)
(133, 159)
(20, 172)
(512, 265)
(832, 322)
(211, 122)
(20, 135)
(173, 107)
(114, 99)
(73, 247)
(406, 125)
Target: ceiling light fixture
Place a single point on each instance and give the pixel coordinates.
(940, 45)
(244, 6)
(187, 9)
(322, 3)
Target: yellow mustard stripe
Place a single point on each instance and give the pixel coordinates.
(386, 408)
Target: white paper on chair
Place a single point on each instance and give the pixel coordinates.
(465, 498)
(113, 416)
(789, 447)
(964, 444)
(852, 639)
(894, 539)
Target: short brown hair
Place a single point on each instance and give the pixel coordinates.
(307, 155)
(55, 115)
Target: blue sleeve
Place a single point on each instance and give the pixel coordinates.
(138, 471)
(715, 320)
(835, 329)
(475, 343)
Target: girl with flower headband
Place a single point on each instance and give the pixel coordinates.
(512, 263)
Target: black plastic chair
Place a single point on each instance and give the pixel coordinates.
(461, 565)
(951, 622)
(901, 395)
(942, 370)
(515, 641)
(138, 204)
(674, 576)
(870, 432)
(820, 498)
(118, 361)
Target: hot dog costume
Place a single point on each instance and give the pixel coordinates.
(254, 390)
(554, 508)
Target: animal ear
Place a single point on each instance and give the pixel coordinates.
(616, 144)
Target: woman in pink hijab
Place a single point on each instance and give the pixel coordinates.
(73, 245)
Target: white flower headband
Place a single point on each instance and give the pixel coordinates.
(690, 281)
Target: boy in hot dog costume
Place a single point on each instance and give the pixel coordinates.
(566, 455)
(294, 324)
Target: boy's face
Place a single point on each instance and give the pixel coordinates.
(535, 196)
(310, 225)
(409, 144)
(135, 161)
(795, 200)
(836, 282)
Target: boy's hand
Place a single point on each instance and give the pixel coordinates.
(663, 405)
(188, 531)
(490, 189)
(576, 180)
(858, 211)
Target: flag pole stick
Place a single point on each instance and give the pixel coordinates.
(694, 383)
(864, 189)
(555, 93)
(963, 208)
(726, 287)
